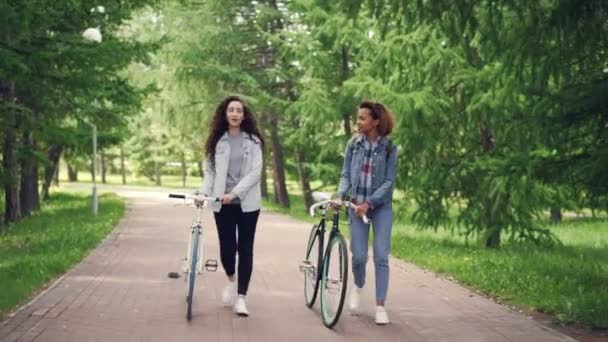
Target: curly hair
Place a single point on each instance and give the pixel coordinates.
(380, 112)
(219, 126)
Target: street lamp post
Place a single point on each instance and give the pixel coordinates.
(95, 200)
(94, 35)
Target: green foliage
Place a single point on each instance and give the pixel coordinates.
(480, 123)
(174, 116)
(491, 126)
(63, 83)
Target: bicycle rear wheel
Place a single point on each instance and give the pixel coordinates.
(334, 280)
(191, 276)
(314, 250)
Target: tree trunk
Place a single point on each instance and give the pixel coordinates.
(72, 173)
(275, 191)
(184, 170)
(493, 230)
(157, 173)
(493, 238)
(487, 140)
(281, 195)
(345, 71)
(264, 179)
(123, 172)
(53, 154)
(200, 169)
(266, 152)
(556, 215)
(104, 168)
(304, 179)
(30, 200)
(12, 208)
(56, 174)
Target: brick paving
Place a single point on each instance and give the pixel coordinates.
(121, 292)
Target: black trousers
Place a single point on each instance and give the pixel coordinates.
(229, 220)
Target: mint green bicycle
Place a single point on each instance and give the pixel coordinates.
(193, 261)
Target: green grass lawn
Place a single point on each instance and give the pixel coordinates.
(169, 181)
(39, 248)
(568, 281)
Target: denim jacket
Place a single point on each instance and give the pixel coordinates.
(248, 189)
(384, 170)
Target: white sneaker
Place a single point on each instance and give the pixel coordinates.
(240, 307)
(381, 316)
(355, 299)
(228, 293)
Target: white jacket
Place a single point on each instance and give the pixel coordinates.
(248, 189)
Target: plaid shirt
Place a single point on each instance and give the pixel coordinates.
(364, 187)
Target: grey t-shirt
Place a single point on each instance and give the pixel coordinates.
(235, 163)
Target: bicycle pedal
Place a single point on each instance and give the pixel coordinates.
(211, 265)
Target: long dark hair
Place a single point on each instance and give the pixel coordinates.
(219, 126)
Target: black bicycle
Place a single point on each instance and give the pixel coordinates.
(327, 270)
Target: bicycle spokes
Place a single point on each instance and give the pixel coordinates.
(332, 284)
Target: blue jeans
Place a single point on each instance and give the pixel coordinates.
(382, 224)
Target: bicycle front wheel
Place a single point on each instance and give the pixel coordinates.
(314, 250)
(191, 276)
(334, 280)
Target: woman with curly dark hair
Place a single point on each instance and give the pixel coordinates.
(233, 168)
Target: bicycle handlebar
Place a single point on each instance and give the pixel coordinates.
(338, 203)
(194, 197)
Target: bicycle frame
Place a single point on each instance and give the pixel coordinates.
(195, 229)
(321, 229)
(334, 229)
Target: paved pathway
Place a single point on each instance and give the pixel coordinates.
(121, 292)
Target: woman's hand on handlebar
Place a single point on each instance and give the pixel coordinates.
(362, 209)
(227, 198)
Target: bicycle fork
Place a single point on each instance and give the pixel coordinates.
(306, 266)
(193, 230)
(210, 264)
